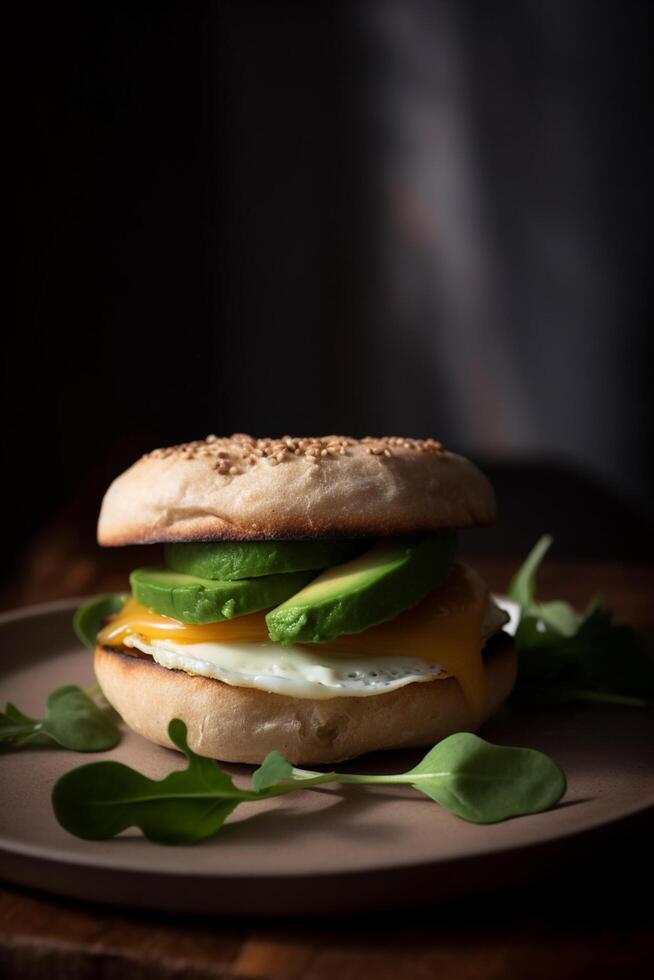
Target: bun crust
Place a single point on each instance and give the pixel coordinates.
(246, 489)
(240, 724)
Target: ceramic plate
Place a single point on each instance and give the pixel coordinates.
(320, 852)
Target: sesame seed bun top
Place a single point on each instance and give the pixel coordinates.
(242, 488)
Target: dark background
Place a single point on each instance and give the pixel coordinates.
(424, 218)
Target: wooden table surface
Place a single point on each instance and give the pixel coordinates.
(592, 919)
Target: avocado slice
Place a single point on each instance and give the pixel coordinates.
(393, 575)
(233, 560)
(190, 599)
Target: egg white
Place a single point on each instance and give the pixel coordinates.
(297, 671)
(294, 671)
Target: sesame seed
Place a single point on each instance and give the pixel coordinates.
(244, 449)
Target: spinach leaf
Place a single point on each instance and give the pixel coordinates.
(73, 720)
(543, 620)
(487, 783)
(566, 656)
(272, 770)
(478, 781)
(101, 799)
(89, 618)
(523, 583)
(17, 728)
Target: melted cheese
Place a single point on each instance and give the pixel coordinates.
(135, 618)
(445, 629)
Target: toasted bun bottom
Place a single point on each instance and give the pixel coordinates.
(241, 724)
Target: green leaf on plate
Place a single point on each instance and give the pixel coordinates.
(76, 722)
(523, 583)
(475, 780)
(103, 799)
(73, 720)
(272, 770)
(89, 619)
(566, 656)
(486, 783)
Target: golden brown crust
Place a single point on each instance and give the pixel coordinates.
(240, 724)
(246, 489)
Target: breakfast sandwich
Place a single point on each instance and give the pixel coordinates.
(310, 599)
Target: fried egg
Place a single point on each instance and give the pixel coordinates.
(301, 671)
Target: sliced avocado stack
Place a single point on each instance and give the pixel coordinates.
(206, 583)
